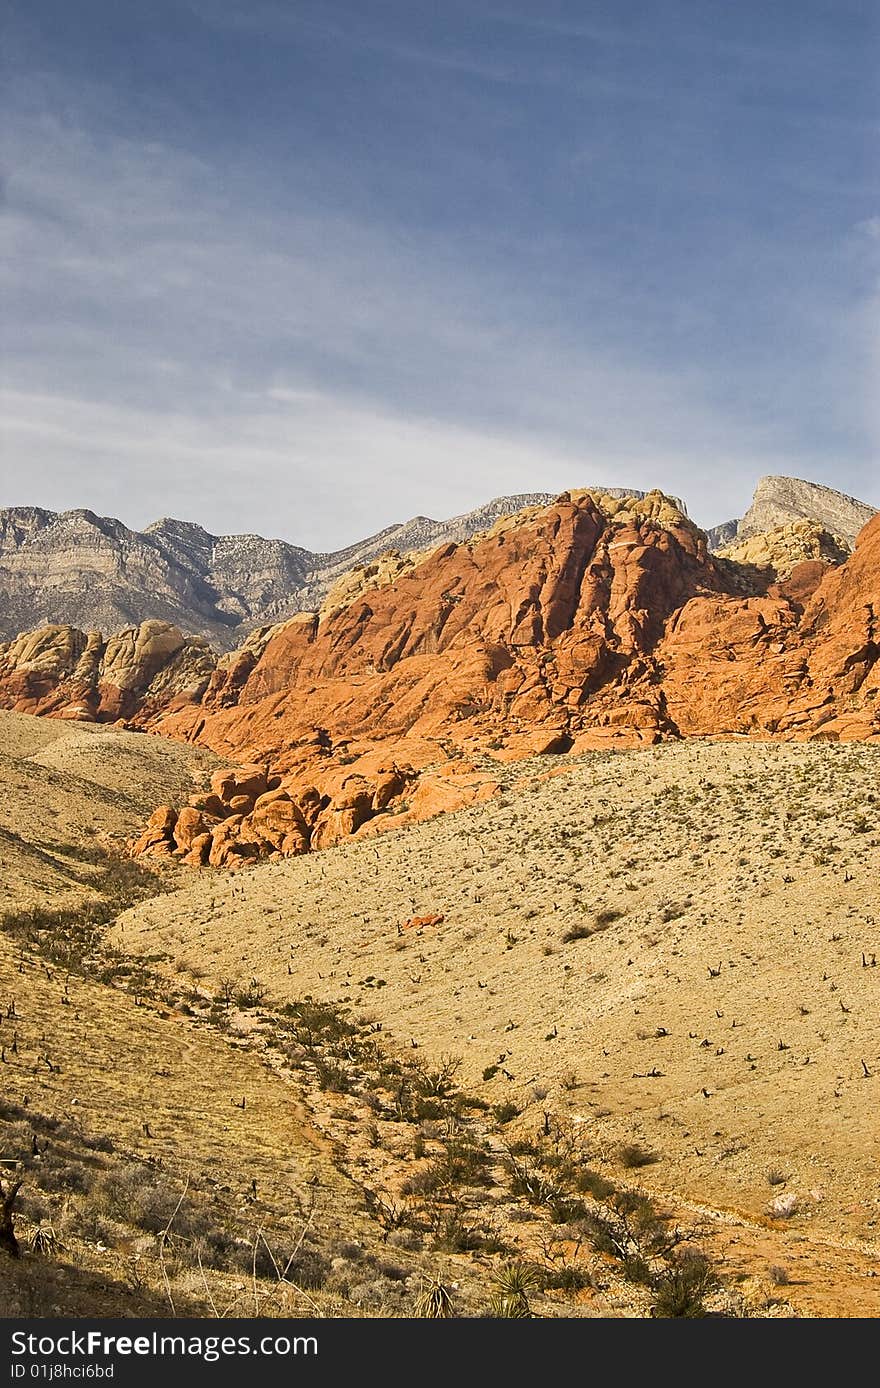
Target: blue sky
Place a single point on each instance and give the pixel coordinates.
(311, 268)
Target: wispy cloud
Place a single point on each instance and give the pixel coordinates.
(183, 333)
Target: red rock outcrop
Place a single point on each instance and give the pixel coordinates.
(506, 639)
(134, 674)
(250, 814)
(800, 662)
(592, 622)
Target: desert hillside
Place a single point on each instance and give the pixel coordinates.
(364, 1058)
(74, 792)
(166, 1168)
(675, 947)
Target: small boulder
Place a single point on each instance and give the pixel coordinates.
(190, 825)
(389, 784)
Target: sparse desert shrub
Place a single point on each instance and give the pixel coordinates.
(467, 1164)
(318, 1022)
(775, 1177)
(505, 1113)
(125, 1193)
(388, 1212)
(380, 1295)
(452, 1231)
(351, 1252)
(522, 1214)
(533, 1185)
(581, 930)
(69, 1177)
(779, 1276)
(90, 1224)
(331, 1076)
(566, 1209)
(628, 1225)
(439, 1082)
(427, 1182)
(251, 996)
(522, 1147)
(631, 1156)
(568, 1278)
(292, 1261)
(590, 1182)
(635, 1269)
(409, 1239)
(681, 1289)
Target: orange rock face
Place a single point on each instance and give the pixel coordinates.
(507, 639)
(584, 624)
(801, 662)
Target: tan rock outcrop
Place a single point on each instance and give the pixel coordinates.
(784, 548)
(69, 673)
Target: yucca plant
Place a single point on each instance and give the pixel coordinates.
(435, 1301)
(511, 1299)
(43, 1240)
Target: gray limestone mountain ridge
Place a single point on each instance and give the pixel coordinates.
(93, 572)
(781, 500)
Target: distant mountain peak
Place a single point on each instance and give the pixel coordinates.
(779, 501)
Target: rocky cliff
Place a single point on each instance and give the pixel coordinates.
(780, 501)
(783, 548)
(134, 674)
(92, 572)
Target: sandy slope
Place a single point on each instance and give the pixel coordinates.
(107, 1087)
(721, 1019)
(69, 787)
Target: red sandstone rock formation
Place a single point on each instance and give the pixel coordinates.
(592, 622)
(134, 674)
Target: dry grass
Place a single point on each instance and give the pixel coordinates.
(70, 792)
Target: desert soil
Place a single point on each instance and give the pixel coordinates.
(718, 1004)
